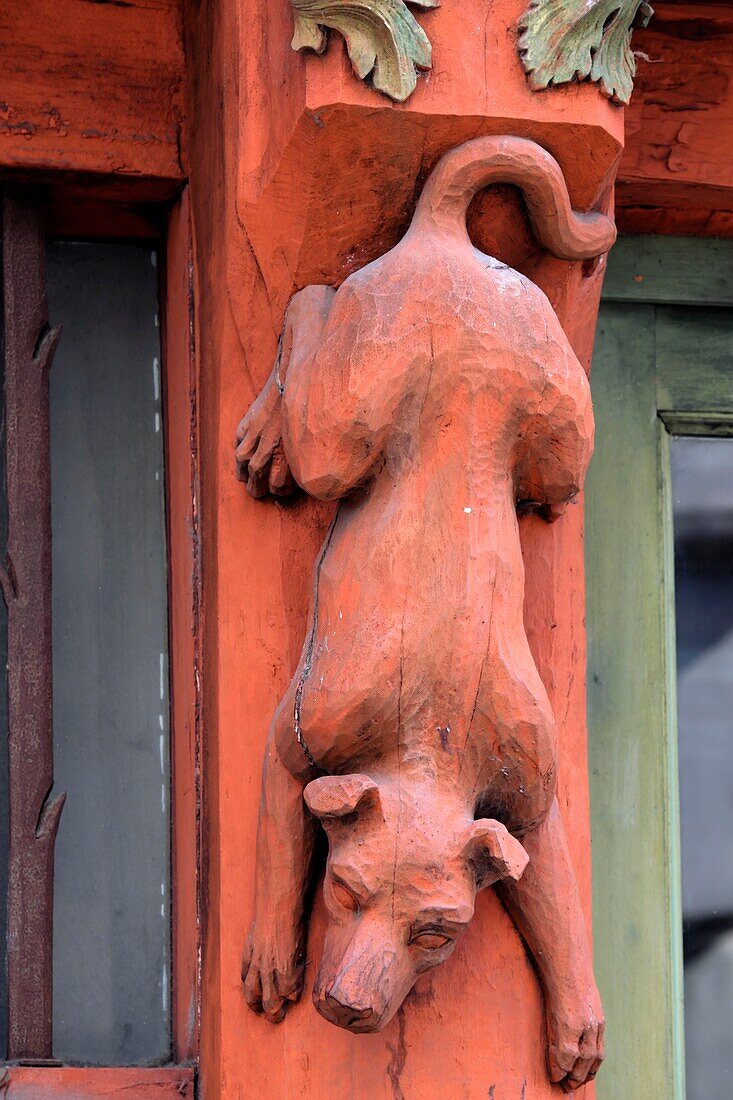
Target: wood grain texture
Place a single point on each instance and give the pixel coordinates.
(632, 734)
(676, 173)
(34, 809)
(32, 1083)
(92, 87)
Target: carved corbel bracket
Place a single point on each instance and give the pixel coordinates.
(382, 37)
(562, 41)
(433, 394)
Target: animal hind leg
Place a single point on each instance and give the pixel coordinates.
(545, 906)
(274, 960)
(514, 707)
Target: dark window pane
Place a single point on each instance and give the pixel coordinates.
(111, 925)
(702, 482)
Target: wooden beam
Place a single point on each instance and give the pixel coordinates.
(26, 585)
(92, 87)
(676, 173)
(67, 1083)
(670, 270)
(306, 192)
(630, 575)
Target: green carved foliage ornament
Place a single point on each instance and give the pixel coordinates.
(382, 38)
(568, 40)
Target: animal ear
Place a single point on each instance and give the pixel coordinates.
(495, 853)
(334, 796)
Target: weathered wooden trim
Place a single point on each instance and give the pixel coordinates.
(382, 37)
(632, 717)
(68, 1083)
(659, 369)
(184, 541)
(670, 270)
(562, 41)
(26, 581)
(718, 424)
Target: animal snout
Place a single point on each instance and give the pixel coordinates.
(334, 1006)
(358, 985)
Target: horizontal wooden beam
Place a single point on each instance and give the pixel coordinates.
(67, 1083)
(670, 270)
(92, 87)
(678, 159)
(707, 424)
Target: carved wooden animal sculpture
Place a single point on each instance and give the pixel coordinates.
(430, 395)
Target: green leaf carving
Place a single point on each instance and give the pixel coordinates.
(565, 40)
(382, 37)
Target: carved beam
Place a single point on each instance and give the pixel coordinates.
(26, 586)
(383, 38)
(562, 41)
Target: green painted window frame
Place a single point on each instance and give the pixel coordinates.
(663, 366)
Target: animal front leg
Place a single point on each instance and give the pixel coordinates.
(260, 456)
(262, 462)
(545, 906)
(274, 960)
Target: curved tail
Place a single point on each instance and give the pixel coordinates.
(463, 171)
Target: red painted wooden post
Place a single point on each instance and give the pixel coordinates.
(26, 582)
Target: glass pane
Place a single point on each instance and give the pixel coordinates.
(702, 482)
(111, 927)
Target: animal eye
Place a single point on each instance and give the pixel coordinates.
(344, 896)
(430, 940)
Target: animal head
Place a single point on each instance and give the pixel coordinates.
(402, 874)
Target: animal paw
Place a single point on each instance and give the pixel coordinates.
(261, 461)
(575, 1041)
(273, 973)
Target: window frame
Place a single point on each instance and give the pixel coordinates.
(680, 388)
(169, 230)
